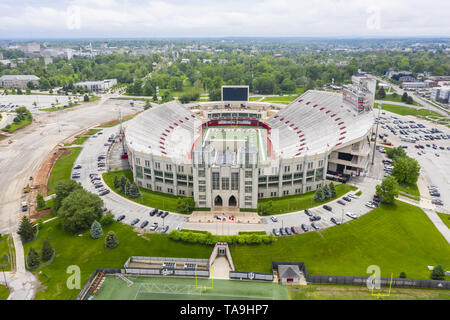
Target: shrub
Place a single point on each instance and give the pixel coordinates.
(107, 219)
(40, 201)
(33, 260)
(47, 251)
(111, 240)
(96, 230)
(438, 273)
(26, 229)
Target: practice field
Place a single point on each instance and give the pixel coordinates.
(168, 288)
(234, 135)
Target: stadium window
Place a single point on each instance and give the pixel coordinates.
(168, 167)
(234, 181)
(180, 169)
(157, 165)
(299, 167)
(168, 175)
(310, 165)
(248, 183)
(248, 204)
(201, 188)
(215, 181)
(147, 163)
(138, 161)
(202, 182)
(260, 195)
(225, 183)
(248, 173)
(201, 173)
(320, 165)
(202, 197)
(147, 170)
(169, 190)
(139, 183)
(308, 188)
(287, 168)
(139, 172)
(248, 189)
(148, 177)
(149, 186)
(248, 198)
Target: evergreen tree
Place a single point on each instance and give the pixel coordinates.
(111, 240)
(332, 189)
(116, 182)
(319, 196)
(123, 183)
(33, 259)
(438, 273)
(127, 188)
(96, 230)
(404, 97)
(26, 229)
(134, 191)
(326, 192)
(47, 251)
(403, 275)
(40, 201)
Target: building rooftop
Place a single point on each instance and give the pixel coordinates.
(19, 77)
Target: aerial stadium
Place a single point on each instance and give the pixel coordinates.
(231, 153)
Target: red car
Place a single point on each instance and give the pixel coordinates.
(294, 230)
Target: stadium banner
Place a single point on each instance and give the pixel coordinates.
(242, 275)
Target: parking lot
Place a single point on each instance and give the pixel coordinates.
(118, 205)
(11, 102)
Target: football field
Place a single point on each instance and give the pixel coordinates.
(172, 288)
(256, 137)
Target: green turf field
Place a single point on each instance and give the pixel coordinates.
(165, 288)
(257, 138)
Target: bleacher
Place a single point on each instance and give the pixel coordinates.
(160, 130)
(317, 121)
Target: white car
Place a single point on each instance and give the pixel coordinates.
(352, 196)
(352, 215)
(370, 205)
(274, 219)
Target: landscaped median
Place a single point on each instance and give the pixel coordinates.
(80, 139)
(63, 167)
(153, 199)
(301, 201)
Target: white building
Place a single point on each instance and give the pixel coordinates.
(413, 85)
(440, 94)
(18, 81)
(97, 86)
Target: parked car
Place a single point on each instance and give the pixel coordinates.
(308, 212)
(347, 199)
(154, 226)
(134, 221)
(352, 215)
(314, 218)
(153, 212)
(294, 230)
(315, 226)
(288, 231)
(144, 224)
(77, 166)
(164, 214)
(274, 219)
(102, 193)
(159, 213)
(120, 218)
(341, 202)
(75, 176)
(276, 232)
(370, 205)
(305, 227)
(164, 229)
(327, 207)
(282, 232)
(335, 220)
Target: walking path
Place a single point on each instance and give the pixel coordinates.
(21, 283)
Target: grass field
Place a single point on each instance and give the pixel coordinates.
(406, 111)
(160, 288)
(342, 292)
(445, 218)
(62, 169)
(4, 252)
(81, 139)
(90, 254)
(302, 201)
(397, 238)
(149, 198)
(398, 98)
(409, 190)
(4, 293)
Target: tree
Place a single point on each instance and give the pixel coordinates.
(327, 192)
(406, 170)
(107, 219)
(265, 208)
(146, 107)
(134, 191)
(116, 182)
(111, 240)
(381, 94)
(402, 275)
(319, 195)
(33, 259)
(62, 190)
(127, 188)
(47, 251)
(404, 97)
(96, 230)
(86, 98)
(185, 205)
(123, 183)
(40, 201)
(26, 229)
(409, 100)
(395, 153)
(79, 210)
(332, 189)
(438, 273)
(387, 190)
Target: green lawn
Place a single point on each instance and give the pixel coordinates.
(397, 238)
(149, 198)
(349, 292)
(62, 169)
(81, 139)
(4, 293)
(4, 252)
(302, 201)
(90, 254)
(409, 190)
(16, 126)
(398, 98)
(445, 218)
(405, 111)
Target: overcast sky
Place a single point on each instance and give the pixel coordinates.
(223, 18)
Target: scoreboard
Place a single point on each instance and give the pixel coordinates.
(235, 93)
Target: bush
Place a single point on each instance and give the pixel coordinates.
(40, 201)
(111, 240)
(402, 275)
(47, 251)
(185, 205)
(319, 195)
(33, 260)
(210, 239)
(438, 273)
(107, 219)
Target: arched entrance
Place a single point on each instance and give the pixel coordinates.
(218, 201)
(232, 202)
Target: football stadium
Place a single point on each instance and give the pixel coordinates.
(231, 153)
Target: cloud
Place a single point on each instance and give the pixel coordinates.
(198, 18)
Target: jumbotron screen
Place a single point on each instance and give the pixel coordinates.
(234, 93)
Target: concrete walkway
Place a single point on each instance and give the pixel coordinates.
(22, 283)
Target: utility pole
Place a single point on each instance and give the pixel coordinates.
(376, 134)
